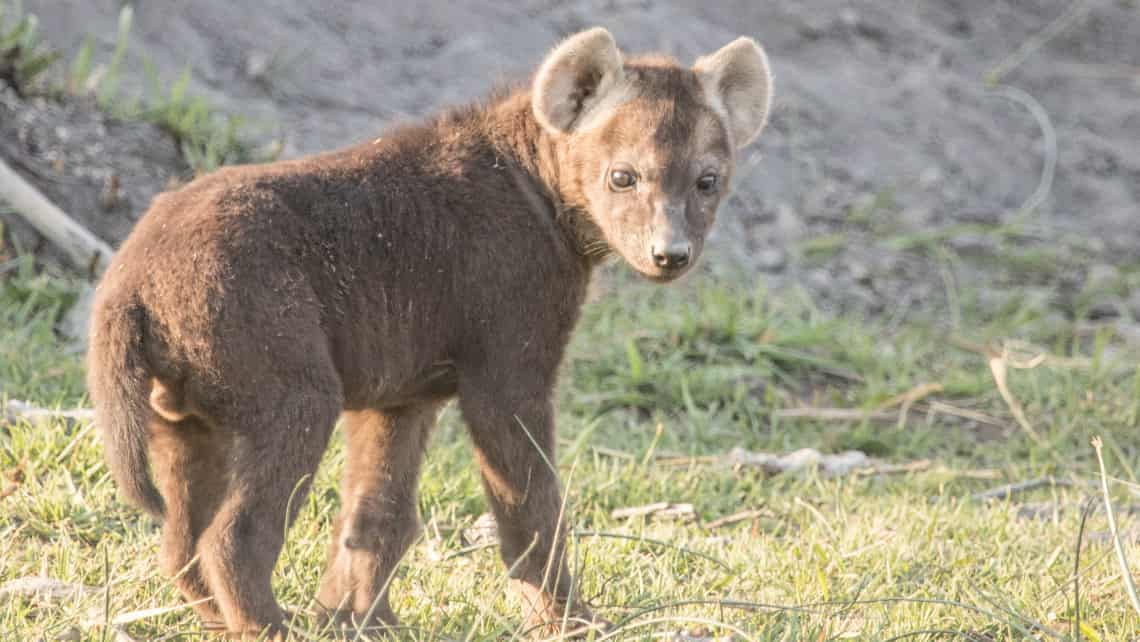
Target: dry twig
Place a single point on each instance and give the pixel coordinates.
(83, 249)
(659, 510)
(1006, 491)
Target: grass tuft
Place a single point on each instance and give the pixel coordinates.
(693, 370)
(23, 55)
(206, 137)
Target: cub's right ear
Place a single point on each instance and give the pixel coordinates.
(574, 79)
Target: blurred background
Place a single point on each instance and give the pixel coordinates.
(920, 154)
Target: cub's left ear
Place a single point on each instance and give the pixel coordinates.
(738, 84)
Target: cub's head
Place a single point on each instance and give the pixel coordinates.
(647, 146)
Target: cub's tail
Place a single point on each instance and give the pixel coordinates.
(118, 378)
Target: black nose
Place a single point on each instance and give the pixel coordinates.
(672, 256)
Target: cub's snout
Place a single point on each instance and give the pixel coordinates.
(671, 254)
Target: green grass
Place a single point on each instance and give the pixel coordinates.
(655, 375)
(206, 137)
(23, 55)
(821, 248)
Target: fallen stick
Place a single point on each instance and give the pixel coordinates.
(83, 249)
(659, 510)
(834, 414)
(16, 410)
(941, 407)
(856, 414)
(46, 588)
(1008, 490)
(894, 469)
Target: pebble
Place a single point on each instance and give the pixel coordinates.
(257, 65)
(860, 273)
(820, 281)
(1106, 308)
(771, 259)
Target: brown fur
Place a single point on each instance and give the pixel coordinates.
(250, 309)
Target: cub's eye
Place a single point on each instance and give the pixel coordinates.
(622, 179)
(707, 183)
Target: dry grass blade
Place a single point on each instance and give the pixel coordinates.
(1075, 12)
(741, 516)
(708, 622)
(941, 407)
(123, 619)
(1126, 575)
(684, 636)
(655, 542)
(916, 393)
(1085, 512)
(907, 399)
(998, 367)
(675, 460)
(1049, 141)
(75, 441)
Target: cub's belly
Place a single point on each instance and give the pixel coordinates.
(437, 382)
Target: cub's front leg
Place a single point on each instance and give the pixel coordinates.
(511, 419)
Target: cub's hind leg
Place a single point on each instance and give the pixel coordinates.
(279, 431)
(188, 458)
(378, 520)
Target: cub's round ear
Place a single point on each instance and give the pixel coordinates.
(738, 84)
(575, 78)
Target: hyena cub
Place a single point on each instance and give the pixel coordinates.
(250, 309)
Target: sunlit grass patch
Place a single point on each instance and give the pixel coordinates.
(659, 385)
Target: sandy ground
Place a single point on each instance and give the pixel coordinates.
(884, 132)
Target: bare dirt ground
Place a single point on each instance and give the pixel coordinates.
(101, 172)
(891, 176)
